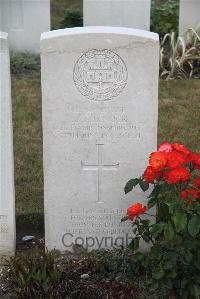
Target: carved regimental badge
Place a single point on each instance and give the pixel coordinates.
(100, 75)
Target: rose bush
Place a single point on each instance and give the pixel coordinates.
(174, 257)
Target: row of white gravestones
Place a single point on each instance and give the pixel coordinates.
(24, 21)
(100, 104)
(189, 15)
(121, 13)
(135, 13)
(7, 194)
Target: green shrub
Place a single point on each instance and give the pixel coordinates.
(164, 16)
(72, 19)
(110, 274)
(34, 276)
(174, 259)
(23, 63)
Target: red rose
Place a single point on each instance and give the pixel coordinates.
(194, 193)
(175, 159)
(195, 159)
(190, 201)
(177, 175)
(184, 194)
(192, 157)
(190, 192)
(158, 160)
(197, 162)
(180, 148)
(165, 147)
(135, 210)
(150, 174)
(197, 182)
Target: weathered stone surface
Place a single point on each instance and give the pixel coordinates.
(25, 20)
(100, 88)
(124, 13)
(7, 194)
(189, 15)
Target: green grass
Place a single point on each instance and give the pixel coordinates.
(179, 112)
(179, 120)
(28, 148)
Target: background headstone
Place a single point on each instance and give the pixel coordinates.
(7, 194)
(100, 104)
(25, 20)
(120, 13)
(189, 15)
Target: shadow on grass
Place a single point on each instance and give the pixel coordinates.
(33, 223)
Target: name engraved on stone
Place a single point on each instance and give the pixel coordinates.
(104, 124)
(100, 75)
(100, 167)
(16, 15)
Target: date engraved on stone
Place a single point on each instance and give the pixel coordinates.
(100, 75)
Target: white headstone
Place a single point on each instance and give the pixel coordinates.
(189, 15)
(100, 106)
(7, 194)
(120, 13)
(25, 20)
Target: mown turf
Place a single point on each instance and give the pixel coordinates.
(28, 149)
(179, 120)
(179, 112)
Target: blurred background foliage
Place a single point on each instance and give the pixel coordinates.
(69, 13)
(164, 16)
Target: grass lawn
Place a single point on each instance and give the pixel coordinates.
(179, 120)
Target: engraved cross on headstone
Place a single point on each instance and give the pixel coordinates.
(100, 167)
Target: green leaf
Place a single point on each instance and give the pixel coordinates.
(172, 274)
(184, 283)
(138, 257)
(188, 257)
(155, 192)
(194, 226)
(168, 265)
(156, 230)
(145, 237)
(134, 245)
(196, 290)
(144, 185)
(158, 273)
(180, 221)
(125, 218)
(169, 232)
(130, 184)
(163, 211)
(151, 203)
